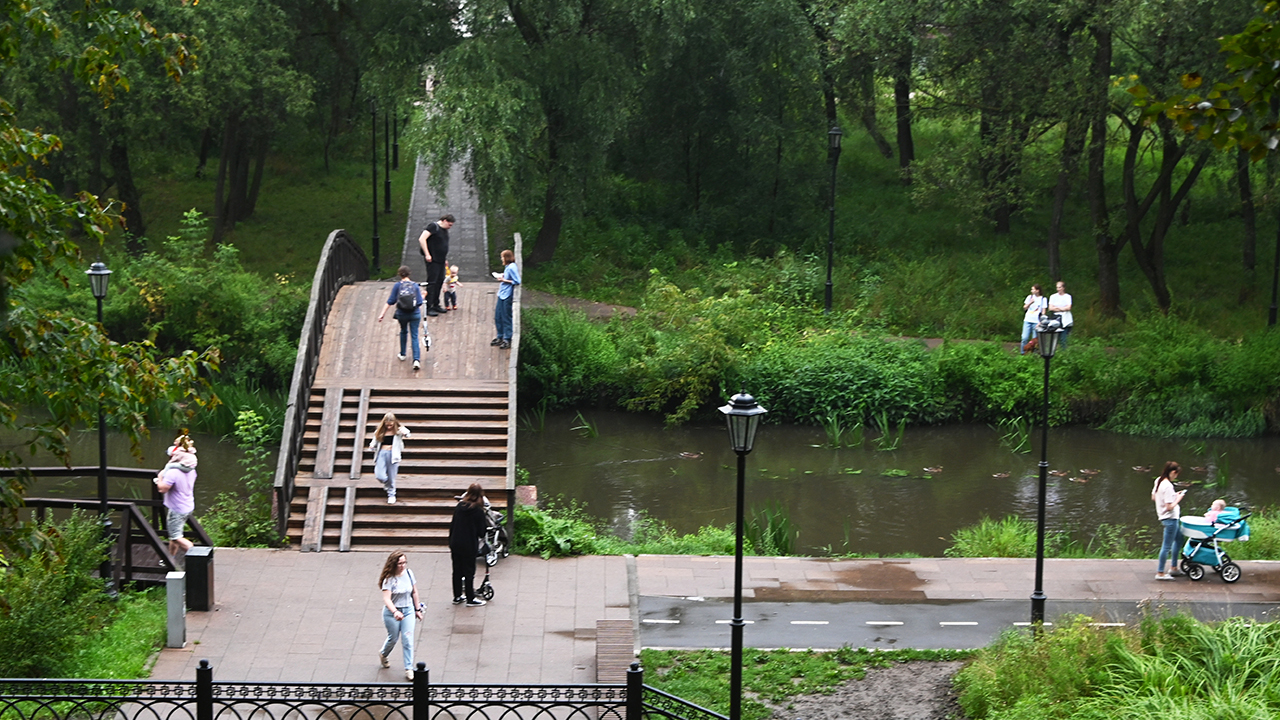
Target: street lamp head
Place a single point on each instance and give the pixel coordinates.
(833, 138)
(1047, 333)
(743, 415)
(98, 277)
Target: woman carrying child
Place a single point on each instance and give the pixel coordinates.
(177, 482)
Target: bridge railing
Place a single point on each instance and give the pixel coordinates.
(342, 262)
(205, 699)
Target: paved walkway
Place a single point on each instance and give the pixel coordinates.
(282, 615)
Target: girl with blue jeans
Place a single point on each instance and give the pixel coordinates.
(401, 609)
(1166, 500)
(503, 309)
(410, 318)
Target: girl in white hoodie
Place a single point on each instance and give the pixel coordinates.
(388, 442)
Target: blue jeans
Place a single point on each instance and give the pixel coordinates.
(1062, 338)
(401, 630)
(502, 317)
(388, 468)
(409, 326)
(1168, 544)
(1028, 332)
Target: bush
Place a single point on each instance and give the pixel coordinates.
(565, 359)
(245, 521)
(554, 532)
(49, 599)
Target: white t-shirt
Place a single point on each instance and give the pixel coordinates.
(1165, 494)
(1038, 304)
(1062, 300)
(401, 587)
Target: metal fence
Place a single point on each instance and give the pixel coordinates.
(205, 699)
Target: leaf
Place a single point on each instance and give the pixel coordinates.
(1191, 81)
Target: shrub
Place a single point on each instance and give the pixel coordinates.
(554, 532)
(50, 600)
(245, 521)
(565, 359)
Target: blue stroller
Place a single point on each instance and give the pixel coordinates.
(1203, 538)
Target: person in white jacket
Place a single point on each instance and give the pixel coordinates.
(388, 442)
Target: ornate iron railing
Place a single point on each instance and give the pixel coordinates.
(342, 262)
(205, 699)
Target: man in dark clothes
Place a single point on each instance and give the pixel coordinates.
(464, 541)
(433, 243)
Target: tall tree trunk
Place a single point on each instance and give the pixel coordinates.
(1248, 214)
(128, 194)
(1108, 247)
(902, 106)
(206, 144)
(544, 246)
(1150, 254)
(1068, 163)
(260, 160)
(867, 108)
(219, 192)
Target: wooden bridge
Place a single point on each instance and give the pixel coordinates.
(459, 408)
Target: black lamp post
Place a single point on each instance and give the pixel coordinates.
(743, 415)
(833, 154)
(395, 143)
(99, 276)
(386, 162)
(373, 132)
(1047, 332)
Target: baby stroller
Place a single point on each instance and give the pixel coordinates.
(1203, 538)
(495, 544)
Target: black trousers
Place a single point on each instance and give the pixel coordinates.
(464, 573)
(435, 279)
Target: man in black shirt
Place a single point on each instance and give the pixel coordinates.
(433, 243)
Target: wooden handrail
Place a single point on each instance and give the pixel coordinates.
(342, 262)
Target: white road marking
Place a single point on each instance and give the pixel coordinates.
(661, 622)
(810, 622)
(727, 622)
(957, 623)
(1027, 624)
(883, 623)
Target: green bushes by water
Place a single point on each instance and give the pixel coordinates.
(243, 519)
(1169, 667)
(685, 351)
(563, 530)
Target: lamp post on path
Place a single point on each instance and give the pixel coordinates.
(99, 277)
(373, 133)
(833, 153)
(743, 416)
(1047, 333)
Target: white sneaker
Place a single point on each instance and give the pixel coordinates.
(416, 365)
(1163, 576)
(400, 356)
(383, 660)
(408, 675)
(391, 499)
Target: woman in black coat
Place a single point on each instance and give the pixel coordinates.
(465, 531)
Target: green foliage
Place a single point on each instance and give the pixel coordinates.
(1170, 667)
(770, 531)
(565, 359)
(237, 520)
(554, 532)
(1264, 537)
(124, 648)
(179, 298)
(1015, 434)
(653, 537)
(1010, 537)
(560, 531)
(773, 676)
(50, 600)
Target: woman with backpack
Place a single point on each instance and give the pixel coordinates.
(406, 296)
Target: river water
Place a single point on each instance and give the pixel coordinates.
(841, 500)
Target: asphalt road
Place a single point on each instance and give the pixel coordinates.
(956, 624)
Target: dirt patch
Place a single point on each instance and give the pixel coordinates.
(594, 310)
(905, 691)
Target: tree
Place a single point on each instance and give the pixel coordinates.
(56, 362)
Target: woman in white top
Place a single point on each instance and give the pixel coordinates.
(401, 607)
(1060, 302)
(1167, 499)
(388, 442)
(1032, 308)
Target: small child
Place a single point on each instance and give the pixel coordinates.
(1218, 506)
(451, 288)
(183, 454)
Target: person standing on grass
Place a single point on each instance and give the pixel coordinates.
(503, 310)
(401, 608)
(465, 531)
(1166, 500)
(1032, 307)
(406, 296)
(1060, 302)
(433, 243)
(388, 443)
(177, 482)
